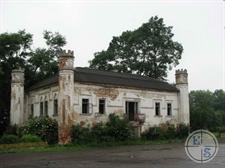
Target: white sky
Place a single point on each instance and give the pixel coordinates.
(90, 25)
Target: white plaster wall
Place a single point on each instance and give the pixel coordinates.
(115, 103)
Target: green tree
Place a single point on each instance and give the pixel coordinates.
(149, 50)
(205, 112)
(42, 62)
(15, 51)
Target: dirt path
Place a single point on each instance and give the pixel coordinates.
(149, 156)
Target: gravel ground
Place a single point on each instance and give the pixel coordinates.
(141, 156)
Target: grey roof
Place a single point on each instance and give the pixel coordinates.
(92, 76)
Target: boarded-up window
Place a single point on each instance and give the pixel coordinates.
(101, 106)
(169, 109)
(41, 109)
(55, 113)
(85, 106)
(157, 108)
(46, 108)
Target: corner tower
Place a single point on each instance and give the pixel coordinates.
(183, 96)
(17, 97)
(65, 96)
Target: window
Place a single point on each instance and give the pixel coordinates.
(41, 109)
(32, 110)
(85, 106)
(157, 109)
(101, 106)
(46, 108)
(55, 113)
(169, 109)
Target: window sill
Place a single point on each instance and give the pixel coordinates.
(158, 116)
(169, 116)
(86, 114)
(99, 114)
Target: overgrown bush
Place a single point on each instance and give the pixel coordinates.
(119, 129)
(116, 129)
(166, 131)
(30, 138)
(81, 135)
(152, 133)
(182, 130)
(44, 127)
(9, 139)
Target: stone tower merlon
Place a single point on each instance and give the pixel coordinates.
(65, 96)
(181, 76)
(17, 115)
(66, 60)
(183, 96)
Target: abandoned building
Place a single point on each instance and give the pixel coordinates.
(87, 96)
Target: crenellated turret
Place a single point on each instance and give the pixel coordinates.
(183, 96)
(17, 97)
(66, 93)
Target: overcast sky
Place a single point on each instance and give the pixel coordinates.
(90, 25)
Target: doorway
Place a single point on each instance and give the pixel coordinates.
(131, 110)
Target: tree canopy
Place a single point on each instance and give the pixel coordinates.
(16, 51)
(149, 50)
(207, 109)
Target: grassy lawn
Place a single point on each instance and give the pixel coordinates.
(43, 147)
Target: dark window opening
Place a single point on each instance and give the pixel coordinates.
(85, 106)
(101, 106)
(55, 112)
(41, 109)
(157, 109)
(32, 110)
(131, 110)
(169, 109)
(46, 108)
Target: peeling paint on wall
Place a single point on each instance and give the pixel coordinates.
(112, 93)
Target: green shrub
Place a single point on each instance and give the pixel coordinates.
(30, 138)
(9, 139)
(11, 130)
(44, 127)
(116, 129)
(81, 135)
(182, 130)
(152, 133)
(166, 131)
(100, 133)
(119, 129)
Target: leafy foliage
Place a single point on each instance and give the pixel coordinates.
(166, 131)
(40, 63)
(148, 50)
(44, 127)
(30, 138)
(116, 129)
(207, 109)
(9, 139)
